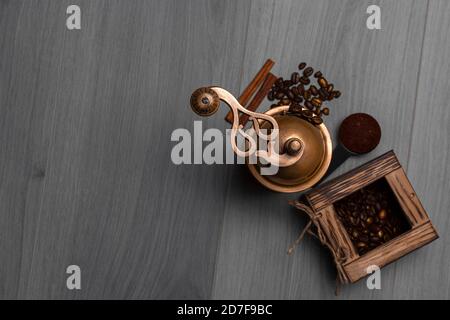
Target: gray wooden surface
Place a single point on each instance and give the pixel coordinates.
(85, 124)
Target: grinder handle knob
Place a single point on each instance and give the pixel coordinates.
(205, 101)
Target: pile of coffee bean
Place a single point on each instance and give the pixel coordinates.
(303, 98)
(371, 216)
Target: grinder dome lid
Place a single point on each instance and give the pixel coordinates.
(313, 164)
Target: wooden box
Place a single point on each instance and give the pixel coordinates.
(384, 170)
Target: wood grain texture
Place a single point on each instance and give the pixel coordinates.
(407, 197)
(391, 251)
(428, 161)
(86, 119)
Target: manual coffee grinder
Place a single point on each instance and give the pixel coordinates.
(304, 149)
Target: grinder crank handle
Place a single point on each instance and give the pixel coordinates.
(205, 101)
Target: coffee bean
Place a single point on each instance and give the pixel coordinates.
(309, 105)
(298, 99)
(295, 108)
(307, 113)
(317, 111)
(279, 81)
(330, 95)
(317, 120)
(323, 83)
(337, 94)
(285, 101)
(292, 91)
(308, 72)
(316, 102)
(295, 77)
(279, 95)
(361, 245)
(382, 214)
(304, 80)
(313, 90)
(330, 88)
(307, 95)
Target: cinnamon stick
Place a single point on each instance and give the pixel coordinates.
(259, 97)
(252, 87)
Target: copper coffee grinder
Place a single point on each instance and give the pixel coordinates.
(304, 149)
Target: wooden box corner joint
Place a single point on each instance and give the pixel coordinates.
(322, 200)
